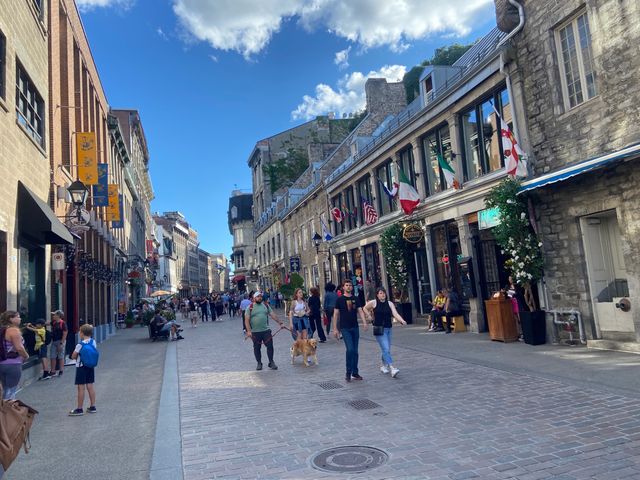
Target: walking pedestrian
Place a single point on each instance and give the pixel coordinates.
(330, 298)
(13, 353)
(244, 305)
(256, 322)
(299, 316)
(193, 312)
(315, 315)
(383, 313)
(347, 312)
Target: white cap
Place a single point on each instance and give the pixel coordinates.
(257, 294)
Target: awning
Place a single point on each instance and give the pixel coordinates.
(237, 278)
(579, 168)
(37, 222)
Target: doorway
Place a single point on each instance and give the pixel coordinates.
(422, 282)
(606, 271)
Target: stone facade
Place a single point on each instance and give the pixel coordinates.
(243, 257)
(560, 136)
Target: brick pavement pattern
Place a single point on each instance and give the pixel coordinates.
(440, 419)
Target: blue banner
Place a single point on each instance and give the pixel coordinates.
(100, 190)
(120, 223)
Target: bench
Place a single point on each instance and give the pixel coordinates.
(458, 324)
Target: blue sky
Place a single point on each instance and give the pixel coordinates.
(210, 78)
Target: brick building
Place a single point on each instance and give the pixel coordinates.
(578, 64)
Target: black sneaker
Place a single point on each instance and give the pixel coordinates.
(92, 409)
(45, 376)
(259, 367)
(355, 376)
(347, 378)
(76, 413)
(60, 373)
(273, 366)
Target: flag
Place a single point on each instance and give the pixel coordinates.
(100, 189)
(409, 198)
(449, 172)
(325, 231)
(370, 214)
(337, 214)
(391, 193)
(516, 165)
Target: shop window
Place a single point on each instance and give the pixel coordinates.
(343, 267)
(31, 283)
(29, 106)
(356, 272)
(363, 192)
(385, 176)
(575, 60)
(436, 143)
(481, 135)
(406, 164)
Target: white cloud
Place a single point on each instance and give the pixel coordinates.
(246, 26)
(86, 5)
(213, 58)
(342, 58)
(161, 33)
(349, 96)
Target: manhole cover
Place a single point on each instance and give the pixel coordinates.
(329, 385)
(349, 459)
(363, 404)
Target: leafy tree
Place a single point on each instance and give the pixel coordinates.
(442, 56)
(397, 254)
(515, 237)
(285, 171)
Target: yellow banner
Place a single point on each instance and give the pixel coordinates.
(113, 209)
(87, 157)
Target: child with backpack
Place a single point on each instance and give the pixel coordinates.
(86, 356)
(43, 338)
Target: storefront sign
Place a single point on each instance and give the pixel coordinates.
(445, 259)
(57, 261)
(294, 264)
(413, 233)
(488, 218)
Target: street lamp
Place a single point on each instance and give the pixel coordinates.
(78, 192)
(317, 240)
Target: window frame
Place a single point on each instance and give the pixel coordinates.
(3, 66)
(338, 227)
(352, 222)
(411, 164)
(30, 91)
(437, 133)
(363, 183)
(389, 178)
(582, 77)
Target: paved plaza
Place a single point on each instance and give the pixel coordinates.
(462, 407)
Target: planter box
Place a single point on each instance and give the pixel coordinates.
(534, 327)
(502, 325)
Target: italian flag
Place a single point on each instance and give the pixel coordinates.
(409, 198)
(449, 173)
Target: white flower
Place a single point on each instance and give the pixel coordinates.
(539, 244)
(510, 202)
(522, 215)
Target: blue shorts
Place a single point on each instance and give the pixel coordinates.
(43, 351)
(300, 323)
(85, 375)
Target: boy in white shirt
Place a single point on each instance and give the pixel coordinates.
(85, 375)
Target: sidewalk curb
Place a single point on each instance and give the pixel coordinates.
(166, 462)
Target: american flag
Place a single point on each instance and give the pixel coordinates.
(370, 214)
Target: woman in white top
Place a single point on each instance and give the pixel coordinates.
(299, 315)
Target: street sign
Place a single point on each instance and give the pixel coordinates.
(488, 218)
(57, 261)
(294, 264)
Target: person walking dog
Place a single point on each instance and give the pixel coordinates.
(256, 323)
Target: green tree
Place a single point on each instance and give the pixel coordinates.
(397, 254)
(442, 56)
(285, 171)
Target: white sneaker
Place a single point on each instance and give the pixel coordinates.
(394, 371)
(384, 369)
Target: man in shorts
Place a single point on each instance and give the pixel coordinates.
(58, 342)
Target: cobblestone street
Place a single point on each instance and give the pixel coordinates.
(441, 418)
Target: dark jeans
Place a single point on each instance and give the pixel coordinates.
(436, 318)
(450, 315)
(329, 312)
(315, 324)
(351, 337)
(259, 338)
(205, 315)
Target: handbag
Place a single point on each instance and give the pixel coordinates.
(16, 419)
(325, 319)
(378, 330)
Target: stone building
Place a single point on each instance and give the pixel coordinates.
(27, 224)
(243, 256)
(176, 225)
(204, 282)
(218, 273)
(193, 261)
(579, 68)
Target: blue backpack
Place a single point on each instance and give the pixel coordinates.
(89, 355)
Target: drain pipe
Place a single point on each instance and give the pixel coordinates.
(574, 317)
(518, 27)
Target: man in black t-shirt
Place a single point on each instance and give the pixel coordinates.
(348, 309)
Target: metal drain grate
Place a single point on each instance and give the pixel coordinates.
(329, 385)
(349, 459)
(363, 404)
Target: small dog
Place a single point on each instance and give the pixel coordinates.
(305, 348)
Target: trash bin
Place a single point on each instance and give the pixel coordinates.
(534, 327)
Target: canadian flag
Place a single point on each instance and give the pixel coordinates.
(337, 214)
(514, 162)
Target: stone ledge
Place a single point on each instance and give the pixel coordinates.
(629, 347)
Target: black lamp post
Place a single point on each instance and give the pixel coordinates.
(317, 239)
(78, 192)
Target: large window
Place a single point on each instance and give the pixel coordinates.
(437, 143)
(338, 227)
(386, 175)
(575, 58)
(29, 106)
(3, 62)
(363, 192)
(407, 166)
(481, 135)
(351, 210)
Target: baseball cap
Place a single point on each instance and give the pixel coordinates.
(257, 294)
(59, 313)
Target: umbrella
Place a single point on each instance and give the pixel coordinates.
(160, 293)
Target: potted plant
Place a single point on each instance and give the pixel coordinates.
(516, 238)
(128, 320)
(397, 254)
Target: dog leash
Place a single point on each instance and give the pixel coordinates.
(265, 341)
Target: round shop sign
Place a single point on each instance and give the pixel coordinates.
(413, 233)
(445, 259)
